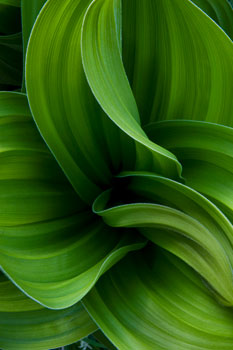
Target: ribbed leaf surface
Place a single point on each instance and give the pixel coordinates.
(24, 324)
(123, 198)
(155, 301)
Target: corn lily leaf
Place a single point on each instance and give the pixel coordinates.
(114, 93)
(29, 10)
(97, 72)
(178, 219)
(87, 145)
(24, 324)
(182, 71)
(155, 301)
(49, 242)
(221, 11)
(63, 259)
(205, 151)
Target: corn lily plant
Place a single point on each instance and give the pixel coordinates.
(116, 173)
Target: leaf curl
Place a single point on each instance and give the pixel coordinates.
(155, 301)
(25, 324)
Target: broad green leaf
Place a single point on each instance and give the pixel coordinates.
(24, 324)
(50, 245)
(61, 260)
(11, 59)
(220, 11)
(88, 146)
(102, 61)
(30, 10)
(178, 219)
(152, 300)
(206, 153)
(32, 186)
(178, 61)
(10, 19)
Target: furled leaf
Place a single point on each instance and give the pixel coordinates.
(205, 151)
(152, 300)
(24, 324)
(178, 61)
(88, 146)
(50, 245)
(102, 61)
(127, 95)
(178, 219)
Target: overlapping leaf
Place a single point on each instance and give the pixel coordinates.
(29, 10)
(97, 72)
(103, 63)
(221, 11)
(205, 151)
(180, 220)
(24, 324)
(155, 301)
(178, 61)
(86, 144)
(51, 246)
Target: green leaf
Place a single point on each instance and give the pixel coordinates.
(205, 151)
(13, 3)
(102, 61)
(88, 146)
(62, 259)
(32, 186)
(184, 69)
(29, 10)
(152, 300)
(51, 246)
(24, 324)
(178, 219)
(96, 73)
(11, 59)
(220, 11)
